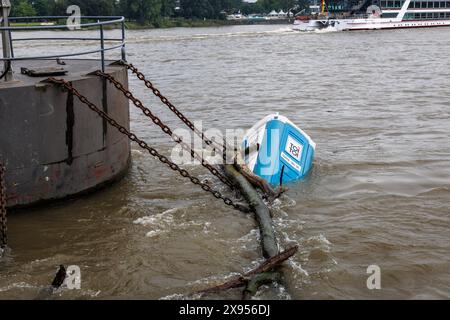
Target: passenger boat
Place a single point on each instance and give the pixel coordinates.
(380, 15)
(277, 150)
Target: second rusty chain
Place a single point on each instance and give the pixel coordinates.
(177, 112)
(184, 173)
(147, 112)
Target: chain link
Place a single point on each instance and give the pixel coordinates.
(3, 219)
(184, 173)
(217, 147)
(147, 112)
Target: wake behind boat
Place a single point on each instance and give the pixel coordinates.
(379, 15)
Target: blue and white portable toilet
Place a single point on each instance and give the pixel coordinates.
(278, 151)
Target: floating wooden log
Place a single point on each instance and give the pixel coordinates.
(255, 180)
(246, 279)
(269, 241)
(245, 180)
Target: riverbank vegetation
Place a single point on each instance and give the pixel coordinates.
(156, 13)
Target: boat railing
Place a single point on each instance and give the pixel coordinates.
(50, 23)
(353, 16)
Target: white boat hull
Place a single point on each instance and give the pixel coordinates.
(367, 24)
(374, 20)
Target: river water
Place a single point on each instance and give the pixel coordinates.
(377, 105)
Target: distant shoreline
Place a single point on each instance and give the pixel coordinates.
(180, 23)
(190, 23)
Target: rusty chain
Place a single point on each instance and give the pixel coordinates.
(184, 173)
(217, 148)
(3, 219)
(147, 112)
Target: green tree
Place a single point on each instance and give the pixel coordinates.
(197, 9)
(59, 8)
(22, 8)
(94, 7)
(167, 7)
(141, 10)
(42, 7)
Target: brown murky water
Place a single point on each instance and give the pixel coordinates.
(376, 103)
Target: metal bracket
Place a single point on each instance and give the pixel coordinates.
(118, 63)
(44, 72)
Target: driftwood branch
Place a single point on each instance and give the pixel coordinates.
(246, 181)
(255, 180)
(246, 279)
(269, 242)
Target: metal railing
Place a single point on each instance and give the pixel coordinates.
(100, 24)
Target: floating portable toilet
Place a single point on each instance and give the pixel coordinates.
(278, 151)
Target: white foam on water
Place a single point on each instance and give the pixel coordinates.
(202, 36)
(136, 152)
(288, 239)
(214, 279)
(164, 222)
(253, 235)
(165, 217)
(154, 233)
(19, 285)
(326, 30)
(175, 296)
(280, 292)
(281, 30)
(322, 242)
(283, 202)
(298, 267)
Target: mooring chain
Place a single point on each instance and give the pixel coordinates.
(184, 173)
(177, 112)
(147, 112)
(3, 221)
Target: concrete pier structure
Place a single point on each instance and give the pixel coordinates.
(52, 145)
